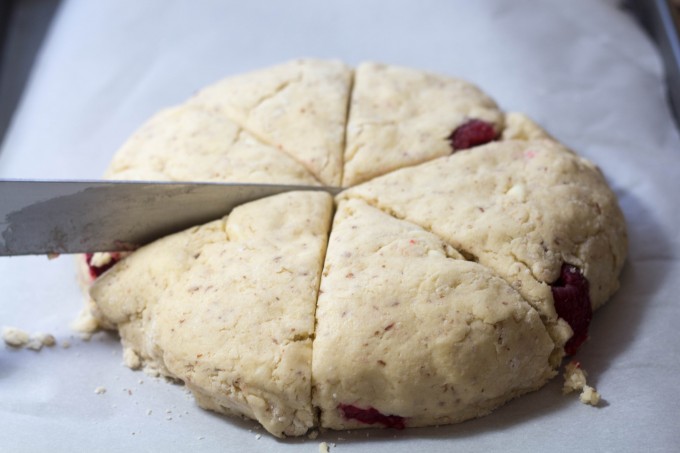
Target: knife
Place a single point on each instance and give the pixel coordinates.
(54, 217)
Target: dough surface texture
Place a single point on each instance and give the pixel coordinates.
(460, 265)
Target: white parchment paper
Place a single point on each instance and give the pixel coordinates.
(583, 69)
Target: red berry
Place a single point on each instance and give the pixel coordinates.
(572, 303)
(472, 133)
(371, 416)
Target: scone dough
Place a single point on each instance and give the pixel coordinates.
(425, 335)
(228, 307)
(521, 208)
(401, 117)
(190, 142)
(299, 107)
(435, 300)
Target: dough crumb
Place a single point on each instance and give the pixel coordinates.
(52, 256)
(85, 323)
(100, 390)
(47, 339)
(34, 344)
(313, 434)
(65, 344)
(18, 338)
(15, 337)
(131, 359)
(258, 436)
(323, 447)
(575, 380)
(574, 377)
(151, 370)
(589, 396)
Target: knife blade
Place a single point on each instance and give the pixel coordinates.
(55, 217)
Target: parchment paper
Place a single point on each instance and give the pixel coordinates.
(584, 69)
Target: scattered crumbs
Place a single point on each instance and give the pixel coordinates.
(100, 390)
(258, 436)
(52, 256)
(575, 380)
(149, 412)
(313, 434)
(15, 337)
(323, 447)
(168, 411)
(65, 344)
(141, 381)
(34, 344)
(18, 338)
(46, 339)
(133, 433)
(168, 418)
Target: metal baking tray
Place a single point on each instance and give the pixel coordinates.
(661, 18)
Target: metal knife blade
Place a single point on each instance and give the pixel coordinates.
(43, 217)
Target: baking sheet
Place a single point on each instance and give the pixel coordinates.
(583, 69)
